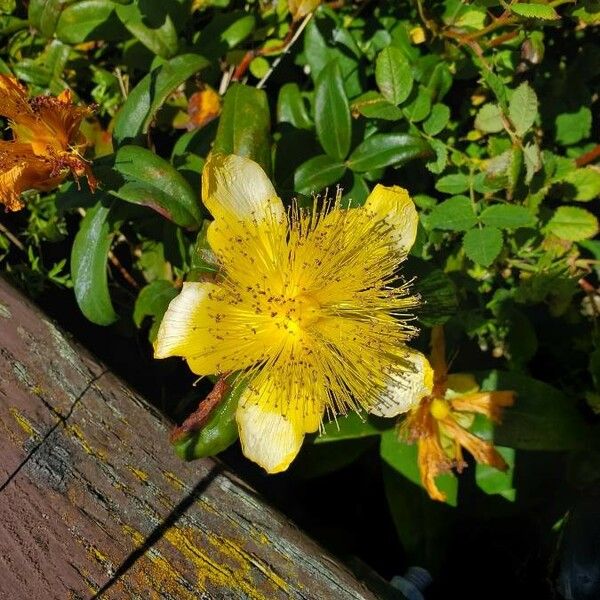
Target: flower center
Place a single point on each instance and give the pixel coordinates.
(296, 314)
(439, 408)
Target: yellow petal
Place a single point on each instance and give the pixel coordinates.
(406, 387)
(237, 187)
(394, 206)
(195, 328)
(272, 427)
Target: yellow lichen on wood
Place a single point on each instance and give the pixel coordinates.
(214, 573)
(76, 432)
(173, 480)
(141, 475)
(23, 422)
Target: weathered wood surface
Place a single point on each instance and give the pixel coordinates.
(93, 503)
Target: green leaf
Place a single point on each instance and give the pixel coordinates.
(571, 128)
(489, 119)
(483, 245)
(385, 149)
(497, 86)
(203, 260)
(454, 214)
(151, 23)
(352, 426)
(586, 182)
(535, 11)
(437, 120)
(420, 107)
(533, 161)
(573, 224)
(332, 112)
(153, 301)
(402, 457)
(493, 481)
(507, 216)
(317, 173)
(453, 184)
(217, 434)
(44, 15)
(438, 164)
(136, 114)
(90, 20)
(393, 75)
(374, 106)
(358, 193)
(89, 256)
(245, 124)
(542, 418)
(522, 108)
(151, 181)
(291, 107)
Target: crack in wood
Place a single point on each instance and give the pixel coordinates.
(62, 420)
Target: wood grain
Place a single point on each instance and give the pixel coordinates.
(93, 502)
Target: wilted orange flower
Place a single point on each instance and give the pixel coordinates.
(440, 421)
(203, 107)
(46, 142)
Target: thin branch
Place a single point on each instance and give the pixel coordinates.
(11, 237)
(276, 62)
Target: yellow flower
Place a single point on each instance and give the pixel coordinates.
(46, 143)
(440, 421)
(306, 307)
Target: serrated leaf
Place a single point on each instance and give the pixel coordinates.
(332, 112)
(571, 128)
(522, 108)
(489, 119)
(535, 11)
(89, 256)
(507, 216)
(454, 214)
(483, 245)
(317, 173)
(533, 161)
(393, 75)
(420, 107)
(437, 120)
(438, 165)
(386, 149)
(586, 182)
(497, 86)
(453, 184)
(573, 223)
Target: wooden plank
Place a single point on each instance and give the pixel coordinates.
(93, 502)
